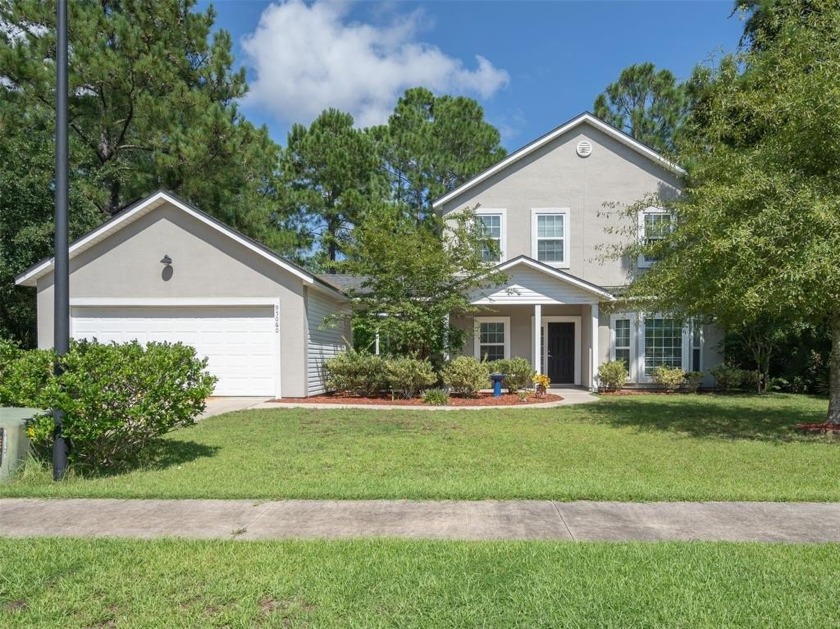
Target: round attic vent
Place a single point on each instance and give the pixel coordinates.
(584, 148)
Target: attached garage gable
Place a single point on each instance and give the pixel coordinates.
(163, 270)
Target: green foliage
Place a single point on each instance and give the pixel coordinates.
(153, 104)
(24, 375)
(332, 176)
(693, 380)
(416, 280)
(518, 372)
(760, 145)
(671, 378)
(356, 372)
(436, 397)
(752, 380)
(465, 375)
(432, 144)
(612, 375)
(727, 377)
(119, 399)
(645, 103)
(408, 376)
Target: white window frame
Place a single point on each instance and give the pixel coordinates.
(632, 366)
(546, 211)
(502, 213)
(477, 335)
(644, 262)
(638, 348)
(701, 346)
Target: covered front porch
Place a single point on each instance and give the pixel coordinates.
(550, 317)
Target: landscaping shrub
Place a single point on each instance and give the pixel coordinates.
(436, 397)
(693, 380)
(118, 399)
(751, 380)
(671, 378)
(727, 377)
(612, 375)
(518, 372)
(24, 376)
(356, 372)
(465, 375)
(407, 376)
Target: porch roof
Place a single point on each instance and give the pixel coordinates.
(533, 282)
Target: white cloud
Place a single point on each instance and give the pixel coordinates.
(307, 57)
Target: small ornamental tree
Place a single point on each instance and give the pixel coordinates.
(416, 280)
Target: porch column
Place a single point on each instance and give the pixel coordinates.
(595, 354)
(537, 337)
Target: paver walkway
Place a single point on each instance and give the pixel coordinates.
(485, 520)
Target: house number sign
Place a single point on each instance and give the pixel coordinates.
(276, 319)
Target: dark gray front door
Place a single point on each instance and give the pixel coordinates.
(560, 365)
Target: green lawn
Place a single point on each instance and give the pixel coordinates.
(639, 448)
(389, 583)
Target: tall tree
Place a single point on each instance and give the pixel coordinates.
(765, 19)
(758, 225)
(645, 103)
(153, 104)
(433, 144)
(27, 224)
(333, 175)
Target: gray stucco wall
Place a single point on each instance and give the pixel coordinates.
(554, 176)
(206, 264)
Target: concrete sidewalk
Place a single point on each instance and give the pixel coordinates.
(486, 520)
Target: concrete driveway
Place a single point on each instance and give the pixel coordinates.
(221, 405)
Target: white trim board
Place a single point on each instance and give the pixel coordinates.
(546, 319)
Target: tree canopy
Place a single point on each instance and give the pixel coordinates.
(645, 103)
(152, 104)
(416, 278)
(758, 224)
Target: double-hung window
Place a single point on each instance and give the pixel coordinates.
(654, 225)
(492, 224)
(492, 340)
(550, 236)
(621, 328)
(663, 344)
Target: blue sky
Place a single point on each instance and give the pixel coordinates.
(531, 64)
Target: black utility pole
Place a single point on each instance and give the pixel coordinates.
(61, 288)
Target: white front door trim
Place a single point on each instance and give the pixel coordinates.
(546, 319)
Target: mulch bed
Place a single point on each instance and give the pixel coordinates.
(827, 429)
(483, 399)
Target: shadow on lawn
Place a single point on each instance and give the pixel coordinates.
(160, 455)
(722, 417)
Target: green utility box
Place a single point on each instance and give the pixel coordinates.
(14, 442)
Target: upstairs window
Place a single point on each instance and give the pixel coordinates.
(654, 225)
(492, 224)
(550, 240)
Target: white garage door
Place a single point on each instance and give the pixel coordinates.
(241, 342)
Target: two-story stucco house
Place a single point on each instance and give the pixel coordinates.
(545, 207)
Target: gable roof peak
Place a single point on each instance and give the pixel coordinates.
(582, 118)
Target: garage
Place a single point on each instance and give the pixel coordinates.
(163, 270)
(240, 342)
